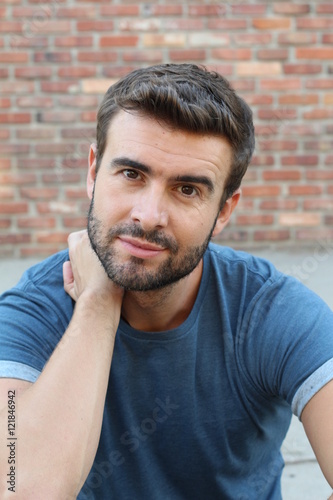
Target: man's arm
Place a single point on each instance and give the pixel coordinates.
(60, 415)
(317, 419)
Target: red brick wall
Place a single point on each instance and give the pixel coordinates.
(58, 57)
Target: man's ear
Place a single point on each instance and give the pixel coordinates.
(225, 214)
(91, 177)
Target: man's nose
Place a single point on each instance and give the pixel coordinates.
(150, 209)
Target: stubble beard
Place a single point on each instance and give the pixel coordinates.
(134, 275)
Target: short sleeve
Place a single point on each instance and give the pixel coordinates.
(286, 342)
(33, 317)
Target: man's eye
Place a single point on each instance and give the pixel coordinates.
(188, 191)
(131, 174)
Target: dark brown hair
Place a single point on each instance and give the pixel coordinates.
(189, 98)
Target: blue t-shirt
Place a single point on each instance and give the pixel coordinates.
(200, 411)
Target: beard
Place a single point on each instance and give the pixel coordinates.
(134, 275)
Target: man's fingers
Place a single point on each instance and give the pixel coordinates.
(68, 278)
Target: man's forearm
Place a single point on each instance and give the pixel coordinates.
(60, 416)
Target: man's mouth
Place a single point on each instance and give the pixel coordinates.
(139, 248)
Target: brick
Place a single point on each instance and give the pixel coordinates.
(34, 102)
(89, 116)
(318, 114)
(36, 222)
(328, 219)
(206, 10)
(299, 99)
(278, 205)
(6, 192)
(49, 26)
(163, 10)
(75, 162)
(77, 72)
(116, 72)
(280, 116)
(271, 235)
(55, 148)
(5, 163)
(5, 102)
(167, 40)
(300, 160)
(60, 87)
(10, 27)
(262, 160)
(39, 251)
(4, 134)
(324, 8)
(77, 12)
(223, 69)
(248, 10)
(312, 23)
(227, 24)
(56, 207)
(232, 54)
(254, 220)
(74, 41)
(299, 219)
(76, 193)
(14, 149)
(183, 24)
(75, 222)
(320, 83)
(271, 54)
(17, 88)
(35, 72)
(52, 57)
(119, 10)
(4, 73)
(285, 84)
(281, 175)
(20, 41)
(97, 57)
(139, 25)
(95, 26)
(252, 39)
(301, 130)
(61, 177)
(121, 40)
(149, 55)
(307, 190)
(14, 239)
(78, 101)
(258, 99)
(39, 193)
(187, 55)
(327, 38)
(13, 207)
(315, 53)
(302, 69)
(36, 163)
(290, 8)
(15, 118)
(97, 86)
(56, 117)
(5, 223)
(53, 237)
(314, 234)
(329, 160)
(84, 133)
(296, 38)
(14, 57)
(273, 23)
(258, 68)
(318, 204)
(17, 179)
(261, 191)
(207, 39)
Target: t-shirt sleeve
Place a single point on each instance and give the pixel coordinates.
(285, 342)
(31, 325)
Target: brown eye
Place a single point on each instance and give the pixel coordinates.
(188, 190)
(131, 174)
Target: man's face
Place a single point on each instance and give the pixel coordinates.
(155, 201)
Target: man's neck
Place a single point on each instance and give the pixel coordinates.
(164, 309)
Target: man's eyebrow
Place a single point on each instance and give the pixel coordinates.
(123, 161)
(197, 179)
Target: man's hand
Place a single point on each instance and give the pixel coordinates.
(84, 272)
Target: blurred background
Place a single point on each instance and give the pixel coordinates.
(58, 57)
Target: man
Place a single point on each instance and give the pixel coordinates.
(157, 365)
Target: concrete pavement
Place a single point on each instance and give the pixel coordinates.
(302, 478)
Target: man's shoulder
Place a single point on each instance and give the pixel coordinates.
(47, 273)
(240, 264)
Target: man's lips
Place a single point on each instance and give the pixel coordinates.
(139, 248)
